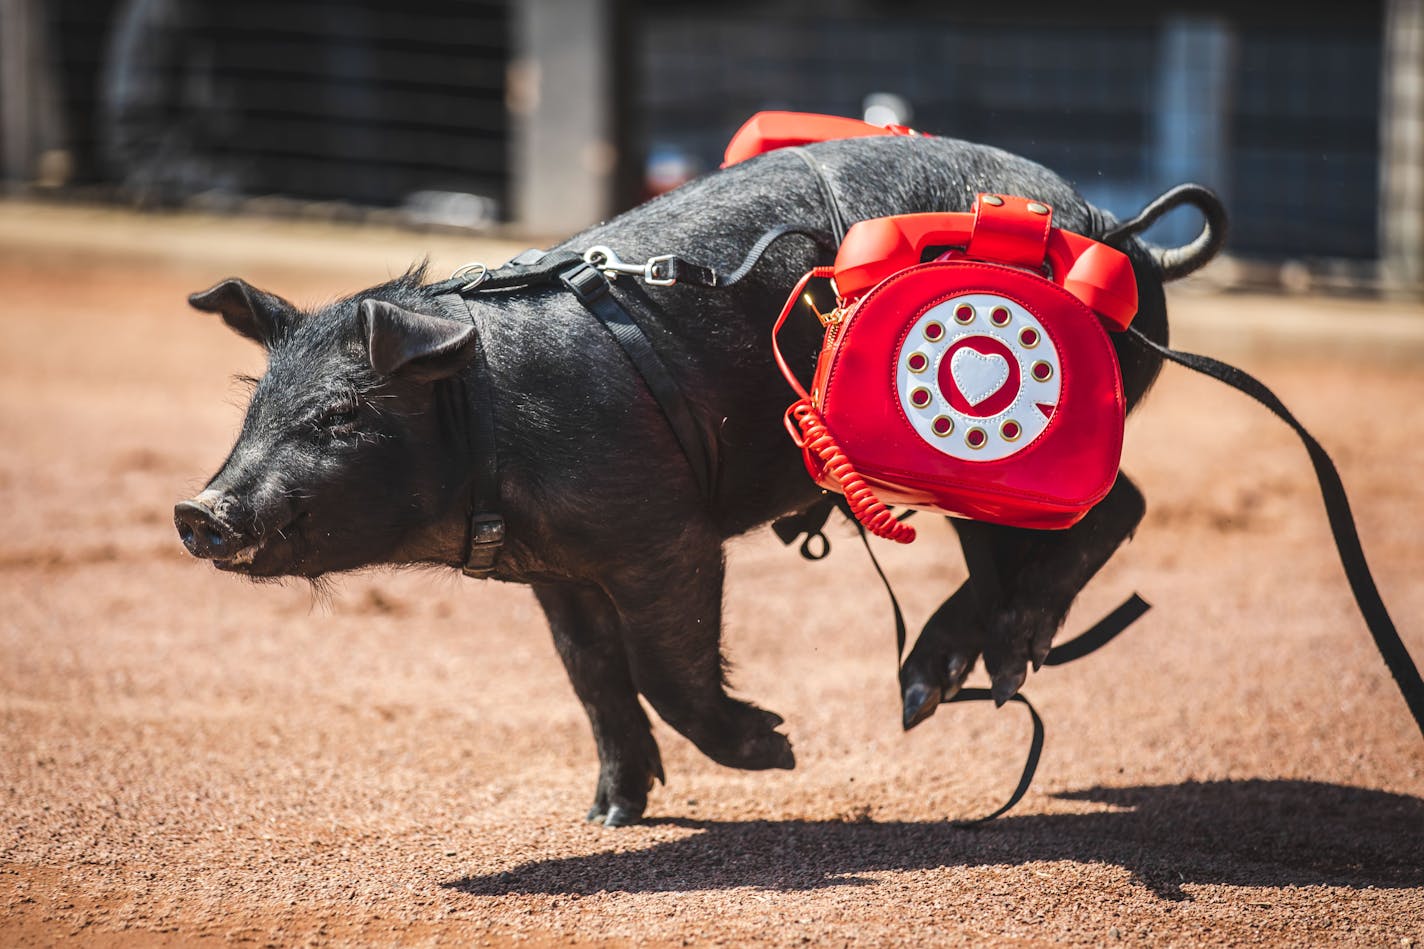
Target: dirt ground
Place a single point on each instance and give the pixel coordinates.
(188, 758)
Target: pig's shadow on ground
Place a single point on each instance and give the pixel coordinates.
(1242, 833)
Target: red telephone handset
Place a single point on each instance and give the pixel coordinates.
(768, 131)
(1013, 232)
(981, 383)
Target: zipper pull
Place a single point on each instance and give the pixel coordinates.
(828, 320)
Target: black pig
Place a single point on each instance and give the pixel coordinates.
(355, 449)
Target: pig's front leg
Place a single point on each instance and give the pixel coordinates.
(670, 603)
(587, 633)
(944, 654)
(1020, 587)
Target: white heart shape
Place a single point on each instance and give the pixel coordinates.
(978, 375)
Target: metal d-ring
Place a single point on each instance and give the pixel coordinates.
(478, 269)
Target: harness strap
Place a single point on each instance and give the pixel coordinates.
(833, 206)
(530, 268)
(592, 290)
(547, 268)
(484, 531)
(1337, 510)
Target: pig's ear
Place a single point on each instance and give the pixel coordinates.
(420, 347)
(258, 315)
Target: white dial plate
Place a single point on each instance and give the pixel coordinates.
(978, 377)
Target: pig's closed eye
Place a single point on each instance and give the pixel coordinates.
(341, 419)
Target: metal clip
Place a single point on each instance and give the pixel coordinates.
(603, 258)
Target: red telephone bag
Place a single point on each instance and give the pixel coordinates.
(981, 383)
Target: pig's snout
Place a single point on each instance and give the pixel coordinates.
(202, 531)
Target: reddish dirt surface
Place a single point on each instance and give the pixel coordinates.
(189, 758)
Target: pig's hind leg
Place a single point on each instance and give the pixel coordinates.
(1021, 584)
(670, 603)
(588, 635)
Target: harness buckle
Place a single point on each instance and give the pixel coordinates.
(486, 539)
(586, 283)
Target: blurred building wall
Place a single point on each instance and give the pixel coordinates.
(550, 114)
(1279, 113)
(1402, 139)
(32, 127)
(562, 98)
(360, 101)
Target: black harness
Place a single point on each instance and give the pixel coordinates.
(584, 277)
(534, 268)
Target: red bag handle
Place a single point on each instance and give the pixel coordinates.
(1001, 229)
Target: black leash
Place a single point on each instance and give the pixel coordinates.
(1337, 510)
(1035, 749)
(764, 243)
(1100, 633)
(1342, 526)
(1090, 640)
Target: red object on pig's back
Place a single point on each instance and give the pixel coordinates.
(768, 131)
(974, 386)
(1066, 467)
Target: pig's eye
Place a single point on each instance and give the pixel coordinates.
(340, 419)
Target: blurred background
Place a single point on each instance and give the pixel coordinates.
(396, 759)
(537, 117)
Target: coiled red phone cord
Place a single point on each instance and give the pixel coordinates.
(867, 508)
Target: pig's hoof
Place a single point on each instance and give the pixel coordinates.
(623, 790)
(785, 758)
(614, 815)
(923, 694)
(772, 751)
(921, 700)
(617, 814)
(1007, 684)
(756, 746)
(763, 754)
(618, 817)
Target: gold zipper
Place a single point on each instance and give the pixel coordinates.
(828, 320)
